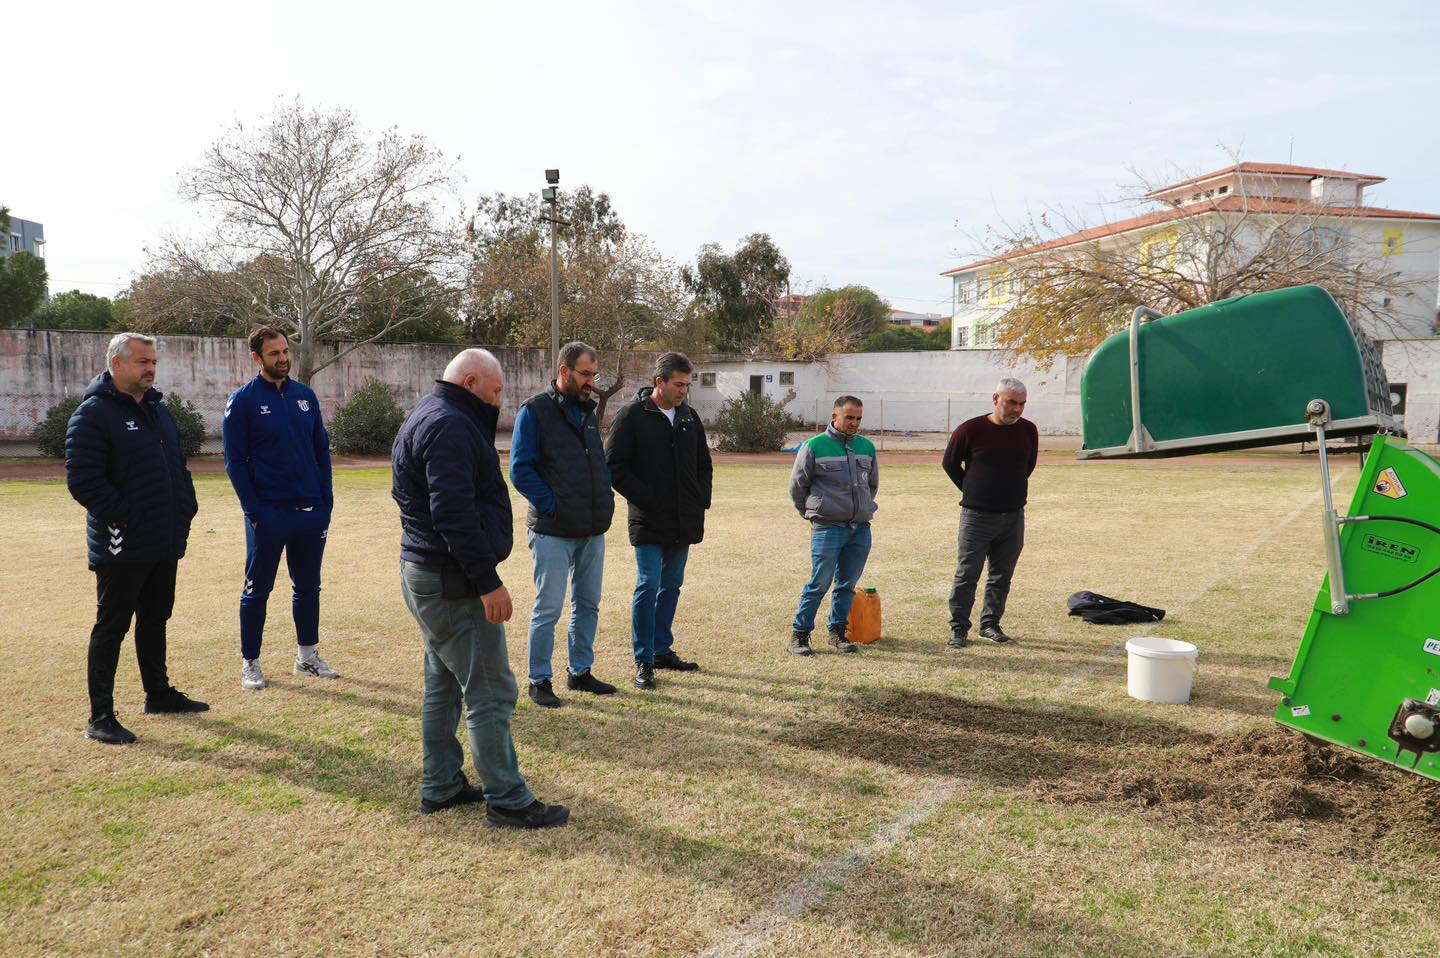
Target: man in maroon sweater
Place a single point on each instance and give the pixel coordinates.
(990, 459)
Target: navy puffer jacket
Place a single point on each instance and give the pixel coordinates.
(454, 504)
(124, 464)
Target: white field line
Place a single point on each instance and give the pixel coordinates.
(758, 930)
(809, 891)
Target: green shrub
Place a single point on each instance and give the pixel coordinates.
(751, 422)
(50, 434)
(189, 421)
(367, 424)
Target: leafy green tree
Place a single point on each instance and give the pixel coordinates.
(833, 321)
(23, 280)
(75, 310)
(905, 339)
(736, 292)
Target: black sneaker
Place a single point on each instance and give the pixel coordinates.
(673, 662)
(543, 695)
(644, 676)
(839, 643)
(957, 641)
(468, 795)
(800, 643)
(585, 682)
(173, 701)
(993, 633)
(535, 815)
(107, 728)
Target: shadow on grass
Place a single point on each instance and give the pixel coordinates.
(1007, 744)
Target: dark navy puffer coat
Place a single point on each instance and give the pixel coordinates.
(124, 464)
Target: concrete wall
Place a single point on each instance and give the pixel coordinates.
(920, 392)
(38, 368)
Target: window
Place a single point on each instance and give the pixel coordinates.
(962, 336)
(1394, 242)
(1321, 239)
(787, 379)
(707, 379)
(14, 242)
(1397, 398)
(1223, 190)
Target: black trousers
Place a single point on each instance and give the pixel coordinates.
(146, 593)
(993, 540)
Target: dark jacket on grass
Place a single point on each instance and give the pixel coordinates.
(454, 504)
(663, 470)
(124, 464)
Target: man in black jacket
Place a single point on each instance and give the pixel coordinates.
(124, 464)
(456, 529)
(660, 462)
(557, 462)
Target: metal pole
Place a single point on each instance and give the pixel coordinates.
(947, 415)
(554, 290)
(1139, 439)
(882, 422)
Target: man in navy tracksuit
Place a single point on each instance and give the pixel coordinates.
(124, 464)
(277, 453)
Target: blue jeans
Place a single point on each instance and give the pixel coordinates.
(582, 562)
(300, 534)
(837, 554)
(660, 571)
(465, 664)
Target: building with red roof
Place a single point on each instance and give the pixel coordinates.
(1332, 200)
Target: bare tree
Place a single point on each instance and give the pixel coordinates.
(311, 221)
(617, 292)
(1058, 294)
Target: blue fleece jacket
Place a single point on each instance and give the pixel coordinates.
(277, 451)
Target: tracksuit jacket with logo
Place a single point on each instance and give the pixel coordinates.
(124, 464)
(835, 479)
(277, 451)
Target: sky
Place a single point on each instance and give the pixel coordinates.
(875, 143)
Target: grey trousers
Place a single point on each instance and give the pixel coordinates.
(467, 672)
(992, 539)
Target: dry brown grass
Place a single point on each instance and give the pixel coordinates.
(1081, 822)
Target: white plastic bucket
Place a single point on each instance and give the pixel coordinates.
(1161, 670)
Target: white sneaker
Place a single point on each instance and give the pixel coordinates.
(250, 678)
(314, 666)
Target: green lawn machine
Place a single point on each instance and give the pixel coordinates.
(1284, 367)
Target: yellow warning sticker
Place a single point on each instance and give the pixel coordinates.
(1389, 485)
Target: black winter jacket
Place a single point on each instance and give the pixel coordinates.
(663, 470)
(124, 464)
(454, 504)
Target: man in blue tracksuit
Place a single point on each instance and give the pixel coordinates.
(557, 461)
(277, 453)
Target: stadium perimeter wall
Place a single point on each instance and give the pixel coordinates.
(919, 392)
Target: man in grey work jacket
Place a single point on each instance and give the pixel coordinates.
(557, 462)
(833, 485)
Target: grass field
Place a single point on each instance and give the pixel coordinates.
(906, 801)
